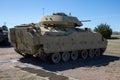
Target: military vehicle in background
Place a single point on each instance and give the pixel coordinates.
(57, 38)
(4, 37)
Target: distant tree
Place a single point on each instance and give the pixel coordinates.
(104, 29)
(5, 28)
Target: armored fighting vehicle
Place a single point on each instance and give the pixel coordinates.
(57, 38)
(3, 37)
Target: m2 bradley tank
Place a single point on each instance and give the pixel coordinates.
(57, 38)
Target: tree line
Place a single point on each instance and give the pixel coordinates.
(104, 30)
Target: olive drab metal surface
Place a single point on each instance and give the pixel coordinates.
(56, 37)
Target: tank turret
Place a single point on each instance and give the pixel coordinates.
(60, 20)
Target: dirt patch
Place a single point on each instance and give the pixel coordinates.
(109, 72)
(7, 53)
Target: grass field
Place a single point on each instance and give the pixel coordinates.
(114, 45)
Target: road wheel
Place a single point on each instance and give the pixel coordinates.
(56, 57)
(91, 53)
(74, 55)
(84, 54)
(97, 52)
(65, 56)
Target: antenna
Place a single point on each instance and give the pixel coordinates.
(43, 11)
(70, 14)
(5, 23)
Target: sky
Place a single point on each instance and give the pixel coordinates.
(16, 12)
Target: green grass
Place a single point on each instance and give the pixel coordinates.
(117, 36)
(114, 45)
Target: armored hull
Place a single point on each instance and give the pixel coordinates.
(56, 43)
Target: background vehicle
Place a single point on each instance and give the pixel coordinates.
(4, 37)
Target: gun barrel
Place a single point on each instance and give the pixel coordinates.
(85, 20)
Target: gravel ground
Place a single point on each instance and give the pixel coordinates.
(15, 67)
